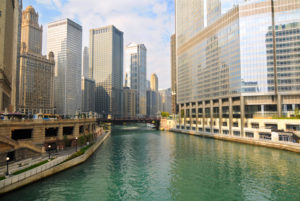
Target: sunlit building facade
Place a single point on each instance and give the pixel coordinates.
(173, 74)
(136, 69)
(85, 62)
(154, 82)
(64, 38)
(106, 68)
(35, 89)
(11, 12)
(241, 65)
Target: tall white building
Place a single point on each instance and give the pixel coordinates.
(136, 68)
(106, 68)
(85, 63)
(64, 38)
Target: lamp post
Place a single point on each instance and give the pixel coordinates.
(7, 159)
(49, 147)
(76, 138)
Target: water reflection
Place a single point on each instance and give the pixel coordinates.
(141, 164)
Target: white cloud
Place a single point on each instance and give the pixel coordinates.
(142, 21)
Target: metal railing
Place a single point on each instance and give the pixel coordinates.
(16, 178)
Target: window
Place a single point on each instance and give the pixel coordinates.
(236, 133)
(249, 134)
(265, 136)
(225, 132)
(254, 125)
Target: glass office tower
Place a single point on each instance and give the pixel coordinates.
(136, 69)
(106, 68)
(244, 64)
(64, 38)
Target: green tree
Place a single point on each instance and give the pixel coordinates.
(165, 114)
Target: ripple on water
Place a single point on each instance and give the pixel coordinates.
(140, 164)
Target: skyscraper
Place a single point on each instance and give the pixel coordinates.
(85, 62)
(173, 74)
(241, 67)
(154, 82)
(136, 69)
(35, 89)
(165, 102)
(9, 47)
(87, 95)
(106, 68)
(64, 38)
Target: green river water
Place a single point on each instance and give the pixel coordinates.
(135, 163)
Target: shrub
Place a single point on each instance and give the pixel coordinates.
(31, 167)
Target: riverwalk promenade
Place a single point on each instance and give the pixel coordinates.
(288, 146)
(60, 162)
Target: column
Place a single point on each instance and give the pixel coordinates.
(230, 115)
(38, 134)
(279, 108)
(191, 116)
(203, 116)
(76, 130)
(211, 116)
(184, 109)
(242, 99)
(60, 132)
(197, 116)
(220, 116)
(180, 116)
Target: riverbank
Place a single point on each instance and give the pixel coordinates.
(293, 147)
(53, 167)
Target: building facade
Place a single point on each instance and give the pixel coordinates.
(36, 72)
(106, 68)
(136, 69)
(242, 66)
(152, 103)
(165, 100)
(154, 82)
(85, 62)
(173, 74)
(64, 38)
(129, 103)
(87, 95)
(9, 49)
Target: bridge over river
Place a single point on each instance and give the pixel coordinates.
(119, 121)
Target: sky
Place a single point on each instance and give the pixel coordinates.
(151, 22)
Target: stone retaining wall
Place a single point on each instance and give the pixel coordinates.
(47, 169)
(294, 147)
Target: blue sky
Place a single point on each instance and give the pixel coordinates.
(143, 21)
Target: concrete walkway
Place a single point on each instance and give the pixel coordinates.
(20, 165)
(59, 164)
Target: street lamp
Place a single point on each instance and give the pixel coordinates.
(7, 159)
(49, 147)
(76, 138)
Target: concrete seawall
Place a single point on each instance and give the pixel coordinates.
(53, 170)
(277, 145)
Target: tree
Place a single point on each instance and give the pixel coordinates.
(165, 114)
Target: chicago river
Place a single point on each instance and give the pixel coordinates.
(136, 163)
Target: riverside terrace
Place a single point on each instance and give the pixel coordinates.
(22, 139)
